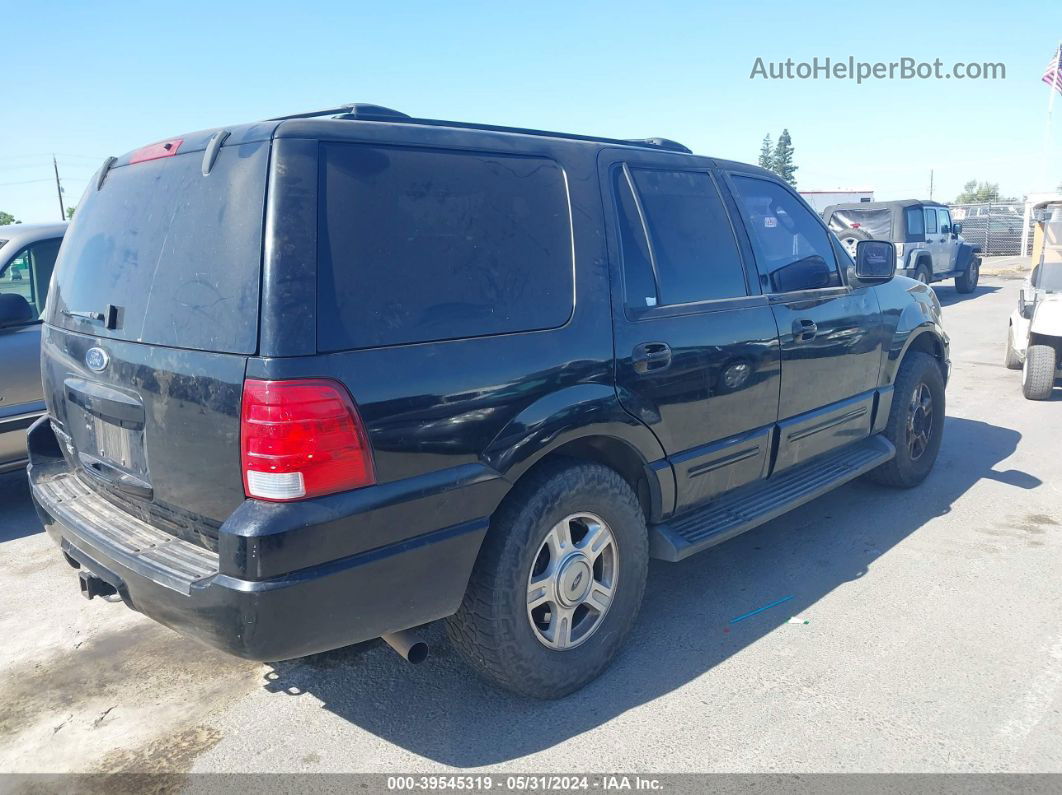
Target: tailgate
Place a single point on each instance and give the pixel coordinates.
(151, 318)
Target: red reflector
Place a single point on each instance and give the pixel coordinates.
(155, 151)
(301, 438)
(856, 226)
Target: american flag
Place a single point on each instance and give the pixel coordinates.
(1053, 74)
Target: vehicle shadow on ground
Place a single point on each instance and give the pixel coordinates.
(17, 517)
(441, 711)
(949, 296)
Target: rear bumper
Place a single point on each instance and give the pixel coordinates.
(301, 612)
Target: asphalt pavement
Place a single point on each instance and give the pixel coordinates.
(928, 638)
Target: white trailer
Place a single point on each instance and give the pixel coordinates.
(821, 199)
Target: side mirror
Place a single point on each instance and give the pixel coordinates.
(808, 273)
(1027, 301)
(875, 261)
(956, 229)
(14, 310)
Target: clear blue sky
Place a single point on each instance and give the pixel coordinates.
(86, 80)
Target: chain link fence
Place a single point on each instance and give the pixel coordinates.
(994, 226)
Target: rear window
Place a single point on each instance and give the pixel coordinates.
(876, 223)
(418, 245)
(177, 252)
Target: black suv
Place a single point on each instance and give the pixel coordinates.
(333, 376)
(929, 245)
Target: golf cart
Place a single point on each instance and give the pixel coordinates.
(1034, 340)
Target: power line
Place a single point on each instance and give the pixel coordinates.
(49, 154)
(46, 179)
(26, 181)
(23, 166)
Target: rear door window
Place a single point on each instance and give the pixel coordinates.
(931, 222)
(178, 253)
(694, 253)
(418, 245)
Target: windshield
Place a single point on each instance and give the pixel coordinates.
(876, 223)
(176, 253)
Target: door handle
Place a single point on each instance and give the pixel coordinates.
(650, 357)
(804, 330)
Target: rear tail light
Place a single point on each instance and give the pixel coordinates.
(301, 438)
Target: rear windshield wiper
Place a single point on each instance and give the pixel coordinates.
(87, 315)
(109, 319)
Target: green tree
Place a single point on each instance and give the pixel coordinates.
(767, 153)
(974, 191)
(70, 213)
(7, 218)
(783, 158)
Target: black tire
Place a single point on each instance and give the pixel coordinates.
(1011, 360)
(1038, 373)
(922, 273)
(910, 465)
(493, 630)
(966, 282)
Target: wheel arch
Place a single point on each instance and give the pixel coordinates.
(923, 338)
(920, 259)
(586, 422)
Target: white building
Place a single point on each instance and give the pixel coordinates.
(821, 199)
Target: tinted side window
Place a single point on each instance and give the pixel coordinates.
(916, 227)
(791, 244)
(693, 245)
(931, 222)
(945, 219)
(419, 245)
(639, 283)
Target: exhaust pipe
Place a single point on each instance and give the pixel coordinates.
(408, 645)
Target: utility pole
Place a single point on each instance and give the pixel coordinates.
(931, 184)
(59, 190)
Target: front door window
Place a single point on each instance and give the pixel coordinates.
(28, 273)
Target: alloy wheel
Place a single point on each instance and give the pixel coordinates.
(919, 422)
(572, 582)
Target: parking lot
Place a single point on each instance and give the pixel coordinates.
(930, 641)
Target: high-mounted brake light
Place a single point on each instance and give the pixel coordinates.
(301, 438)
(155, 151)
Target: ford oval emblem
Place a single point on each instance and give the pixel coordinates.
(96, 359)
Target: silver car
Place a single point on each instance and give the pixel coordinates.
(27, 256)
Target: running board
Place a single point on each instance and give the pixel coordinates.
(752, 505)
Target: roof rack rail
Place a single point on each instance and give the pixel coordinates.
(354, 110)
(663, 143)
(359, 111)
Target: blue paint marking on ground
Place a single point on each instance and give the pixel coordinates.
(760, 609)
